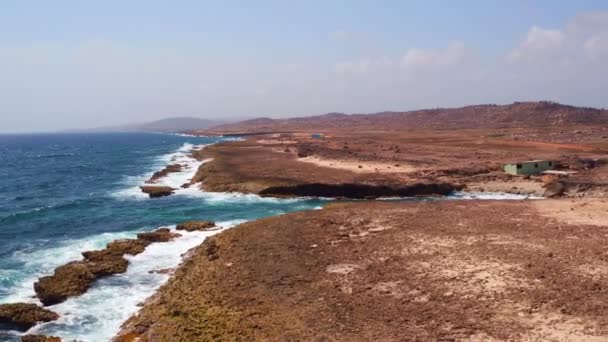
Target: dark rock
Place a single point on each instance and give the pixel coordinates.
(554, 189)
(185, 185)
(362, 191)
(157, 191)
(23, 316)
(159, 235)
(39, 338)
(191, 226)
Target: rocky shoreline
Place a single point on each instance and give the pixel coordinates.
(76, 277)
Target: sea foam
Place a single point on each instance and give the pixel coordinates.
(98, 314)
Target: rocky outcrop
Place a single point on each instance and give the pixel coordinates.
(554, 189)
(361, 191)
(191, 226)
(128, 246)
(39, 338)
(23, 316)
(105, 262)
(76, 277)
(159, 235)
(157, 191)
(164, 172)
(69, 280)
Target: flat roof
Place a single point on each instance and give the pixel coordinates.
(530, 161)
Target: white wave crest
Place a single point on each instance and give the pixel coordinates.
(98, 314)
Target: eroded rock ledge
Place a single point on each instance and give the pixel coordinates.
(22, 316)
(76, 277)
(361, 191)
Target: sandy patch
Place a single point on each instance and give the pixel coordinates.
(575, 211)
(518, 186)
(341, 268)
(359, 166)
(553, 326)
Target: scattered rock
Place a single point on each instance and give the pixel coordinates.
(191, 226)
(24, 315)
(39, 338)
(159, 235)
(157, 191)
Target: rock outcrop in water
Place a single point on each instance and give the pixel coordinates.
(159, 235)
(173, 168)
(157, 191)
(76, 277)
(23, 316)
(191, 226)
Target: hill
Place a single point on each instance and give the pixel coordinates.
(518, 114)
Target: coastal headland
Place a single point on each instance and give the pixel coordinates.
(417, 270)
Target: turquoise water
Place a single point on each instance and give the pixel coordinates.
(64, 194)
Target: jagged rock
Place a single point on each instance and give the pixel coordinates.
(39, 338)
(164, 172)
(554, 189)
(159, 235)
(191, 226)
(24, 315)
(76, 277)
(105, 262)
(69, 280)
(157, 191)
(128, 246)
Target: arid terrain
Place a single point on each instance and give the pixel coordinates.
(462, 158)
(401, 270)
(405, 271)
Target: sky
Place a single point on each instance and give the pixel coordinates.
(78, 64)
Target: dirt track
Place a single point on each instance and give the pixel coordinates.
(449, 270)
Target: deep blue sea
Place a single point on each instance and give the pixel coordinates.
(61, 194)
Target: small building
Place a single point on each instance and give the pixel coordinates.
(531, 167)
(317, 135)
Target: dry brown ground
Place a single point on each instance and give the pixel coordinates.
(417, 271)
(470, 157)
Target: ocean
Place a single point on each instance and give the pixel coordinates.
(62, 194)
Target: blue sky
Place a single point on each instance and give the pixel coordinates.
(87, 63)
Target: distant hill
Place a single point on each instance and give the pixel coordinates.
(518, 114)
(177, 124)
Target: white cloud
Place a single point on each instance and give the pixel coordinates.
(539, 45)
(421, 59)
(596, 47)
